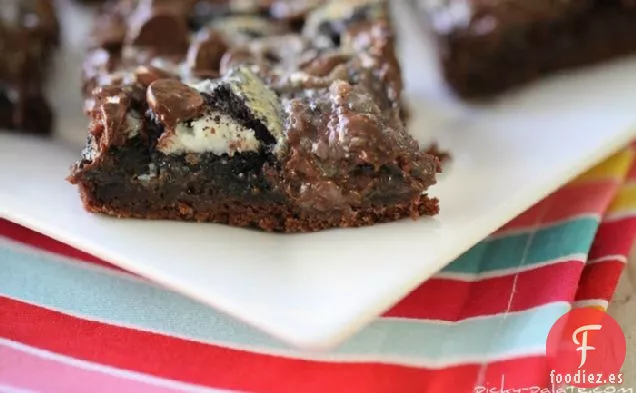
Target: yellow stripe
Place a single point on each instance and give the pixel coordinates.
(596, 307)
(625, 200)
(614, 168)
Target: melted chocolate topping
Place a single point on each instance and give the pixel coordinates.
(173, 102)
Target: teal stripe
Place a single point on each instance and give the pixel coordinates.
(571, 237)
(93, 294)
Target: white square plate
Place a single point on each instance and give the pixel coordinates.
(315, 290)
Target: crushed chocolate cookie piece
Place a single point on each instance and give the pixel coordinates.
(239, 114)
(243, 94)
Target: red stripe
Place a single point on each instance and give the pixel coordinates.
(599, 280)
(37, 240)
(557, 282)
(224, 368)
(631, 175)
(566, 203)
(614, 238)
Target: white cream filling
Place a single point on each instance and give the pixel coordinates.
(207, 135)
(259, 98)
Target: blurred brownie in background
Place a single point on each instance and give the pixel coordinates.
(487, 47)
(29, 32)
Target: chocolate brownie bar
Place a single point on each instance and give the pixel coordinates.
(29, 32)
(487, 47)
(279, 115)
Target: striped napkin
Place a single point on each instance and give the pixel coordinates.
(72, 323)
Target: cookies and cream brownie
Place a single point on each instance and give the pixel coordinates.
(487, 47)
(29, 32)
(282, 115)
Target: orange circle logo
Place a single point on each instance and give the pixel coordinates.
(586, 349)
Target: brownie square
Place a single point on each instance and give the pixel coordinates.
(278, 115)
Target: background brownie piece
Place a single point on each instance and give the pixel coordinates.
(487, 47)
(28, 33)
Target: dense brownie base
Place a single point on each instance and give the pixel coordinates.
(208, 190)
(480, 66)
(271, 217)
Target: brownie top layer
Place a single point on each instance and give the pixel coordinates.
(480, 18)
(28, 31)
(202, 39)
(228, 66)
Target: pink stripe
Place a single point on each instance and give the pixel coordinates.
(28, 371)
(566, 203)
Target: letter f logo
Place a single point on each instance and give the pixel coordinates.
(583, 343)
